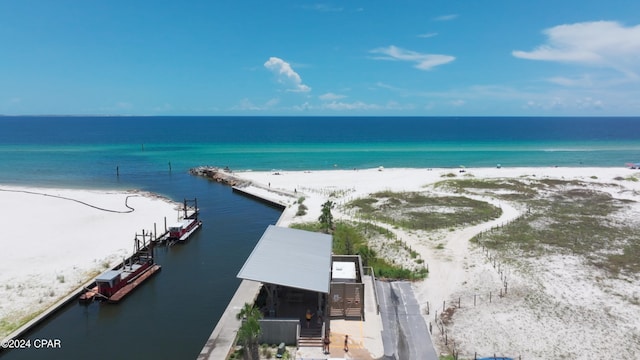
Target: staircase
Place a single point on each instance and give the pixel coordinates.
(310, 337)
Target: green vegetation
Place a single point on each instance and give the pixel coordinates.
(416, 211)
(351, 239)
(326, 218)
(570, 218)
(249, 331)
(302, 208)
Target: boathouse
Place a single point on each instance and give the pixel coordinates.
(298, 274)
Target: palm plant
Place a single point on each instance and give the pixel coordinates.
(326, 218)
(249, 332)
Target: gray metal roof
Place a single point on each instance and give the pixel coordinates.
(290, 257)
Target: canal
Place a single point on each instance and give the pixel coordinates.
(172, 314)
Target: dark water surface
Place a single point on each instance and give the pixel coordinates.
(171, 315)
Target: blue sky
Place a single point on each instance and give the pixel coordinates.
(355, 57)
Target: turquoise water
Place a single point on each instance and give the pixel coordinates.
(77, 151)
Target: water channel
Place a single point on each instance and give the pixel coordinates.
(171, 315)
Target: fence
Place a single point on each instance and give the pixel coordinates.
(442, 315)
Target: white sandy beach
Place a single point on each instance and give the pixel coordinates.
(563, 309)
(55, 240)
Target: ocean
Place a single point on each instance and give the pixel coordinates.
(90, 151)
(172, 315)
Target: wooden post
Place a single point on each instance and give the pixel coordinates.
(427, 308)
(117, 171)
(489, 296)
(458, 302)
(443, 305)
(169, 167)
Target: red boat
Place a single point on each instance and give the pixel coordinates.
(110, 281)
(189, 223)
(183, 229)
(113, 285)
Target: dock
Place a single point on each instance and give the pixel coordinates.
(245, 191)
(276, 198)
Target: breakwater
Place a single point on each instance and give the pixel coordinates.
(221, 175)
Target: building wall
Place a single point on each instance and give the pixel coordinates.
(276, 331)
(346, 299)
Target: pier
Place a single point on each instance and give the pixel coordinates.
(276, 198)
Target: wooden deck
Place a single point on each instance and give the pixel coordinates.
(120, 294)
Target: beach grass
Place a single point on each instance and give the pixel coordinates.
(350, 238)
(417, 211)
(563, 217)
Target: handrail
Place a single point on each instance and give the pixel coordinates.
(375, 289)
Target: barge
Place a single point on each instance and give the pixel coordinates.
(114, 284)
(188, 224)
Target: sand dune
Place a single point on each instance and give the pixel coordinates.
(556, 307)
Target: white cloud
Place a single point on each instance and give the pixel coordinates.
(600, 43)
(358, 105)
(389, 87)
(582, 81)
(427, 35)
(331, 97)
(271, 103)
(324, 8)
(286, 75)
(446, 17)
(246, 105)
(166, 107)
(422, 61)
(590, 104)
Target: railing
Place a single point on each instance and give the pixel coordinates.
(375, 289)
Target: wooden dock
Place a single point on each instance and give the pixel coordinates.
(120, 294)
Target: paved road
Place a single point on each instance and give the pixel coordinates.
(405, 335)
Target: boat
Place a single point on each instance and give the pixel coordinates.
(116, 283)
(183, 229)
(89, 294)
(189, 223)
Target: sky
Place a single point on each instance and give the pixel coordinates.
(320, 58)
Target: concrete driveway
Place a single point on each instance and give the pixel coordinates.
(405, 335)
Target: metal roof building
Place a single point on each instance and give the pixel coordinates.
(291, 257)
